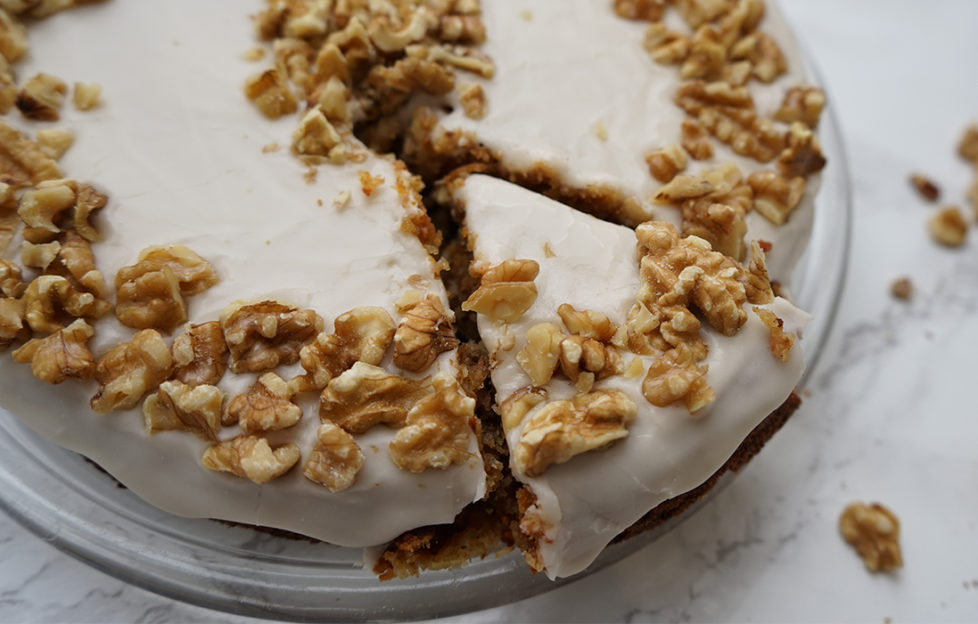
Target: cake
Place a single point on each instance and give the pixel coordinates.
(372, 273)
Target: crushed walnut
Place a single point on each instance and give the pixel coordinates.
(473, 100)
(874, 531)
(251, 457)
(506, 291)
(335, 460)
(55, 141)
(541, 354)
(263, 335)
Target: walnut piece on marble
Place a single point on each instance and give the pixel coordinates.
(85, 95)
(367, 395)
(666, 163)
(781, 341)
(261, 336)
(423, 333)
(676, 376)
(267, 406)
(541, 353)
(251, 457)
(41, 97)
(948, 227)
(176, 405)
(437, 430)
(802, 103)
(271, 94)
(335, 460)
(506, 291)
(130, 370)
(563, 429)
(200, 355)
(775, 196)
(874, 531)
(60, 355)
(22, 161)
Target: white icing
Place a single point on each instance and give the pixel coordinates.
(574, 65)
(588, 500)
(178, 149)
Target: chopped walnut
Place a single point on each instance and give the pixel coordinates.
(645, 10)
(972, 197)
(506, 291)
(41, 97)
(251, 457)
(902, 288)
(540, 356)
(369, 183)
(315, 136)
(9, 221)
(515, 408)
(271, 94)
(665, 163)
(803, 156)
(11, 282)
(720, 224)
(561, 430)
(39, 256)
(13, 35)
(675, 376)
(177, 405)
(665, 46)
(12, 326)
(267, 406)
(335, 459)
(781, 342)
(473, 100)
(77, 260)
(948, 227)
(130, 370)
(88, 201)
(40, 207)
(776, 197)
(874, 531)
(60, 355)
(367, 395)
(55, 141)
(261, 336)
(49, 297)
(707, 55)
(361, 335)
(200, 355)
(22, 161)
(86, 95)
(925, 186)
(423, 333)
(802, 103)
(757, 283)
(968, 145)
(698, 12)
(437, 430)
(696, 140)
(581, 356)
(763, 52)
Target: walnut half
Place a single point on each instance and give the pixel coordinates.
(251, 457)
(336, 459)
(423, 333)
(506, 291)
(61, 355)
(177, 405)
(130, 370)
(874, 531)
(264, 335)
(437, 430)
(267, 406)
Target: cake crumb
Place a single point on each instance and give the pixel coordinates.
(902, 288)
(548, 250)
(269, 148)
(369, 183)
(874, 531)
(925, 186)
(948, 227)
(601, 131)
(342, 200)
(256, 53)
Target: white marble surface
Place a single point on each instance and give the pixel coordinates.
(889, 416)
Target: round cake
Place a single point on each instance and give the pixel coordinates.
(431, 276)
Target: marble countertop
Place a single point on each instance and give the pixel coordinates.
(889, 414)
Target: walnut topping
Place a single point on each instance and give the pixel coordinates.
(55, 141)
(540, 356)
(803, 155)
(675, 376)
(12, 322)
(61, 355)
(707, 55)
(437, 430)
(874, 531)
(22, 161)
(87, 202)
(130, 370)
(665, 163)
(271, 94)
(802, 103)
(40, 207)
(39, 256)
(646, 10)
(968, 145)
(41, 97)
(665, 46)
(561, 430)
(200, 355)
(473, 100)
(763, 52)
(775, 196)
(335, 460)
(11, 283)
(506, 291)
(515, 408)
(49, 297)
(251, 457)
(261, 336)
(696, 140)
(9, 220)
(177, 405)
(781, 341)
(423, 333)
(948, 227)
(267, 406)
(315, 136)
(13, 36)
(367, 395)
(86, 95)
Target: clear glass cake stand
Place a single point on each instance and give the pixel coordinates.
(65, 501)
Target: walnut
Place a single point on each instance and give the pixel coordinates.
(315, 136)
(41, 207)
(13, 36)
(579, 356)
(437, 430)
(464, 59)
(267, 406)
(12, 326)
(335, 459)
(193, 272)
(360, 335)
(803, 156)
(11, 282)
(9, 221)
(710, 183)
(366, 395)
(587, 323)
(948, 227)
(414, 29)
(49, 297)
(251, 457)
(699, 12)
(506, 291)
(874, 531)
(130, 370)
(776, 197)
(87, 202)
(75, 258)
(39, 256)
(707, 55)
(369, 183)
(540, 356)
(675, 376)
(515, 407)
(462, 29)
(200, 355)
(696, 140)
(22, 161)
(423, 333)
(264, 335)
(473, 100)
(757, 283)
(332, 99)
(177, 405)
(781, 341)
(902, 288)
(646, 10)
(968, 145)
(270, 93)
(665, 46)
(925, 186)
(665, 163)
(55, 141)
(41, 97)
(86, 95)
(720, 224)
(60, 355)
(802, 103)
(763, 52)
(561, 430)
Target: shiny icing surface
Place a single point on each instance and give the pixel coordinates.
(587, 501)
(179, 151)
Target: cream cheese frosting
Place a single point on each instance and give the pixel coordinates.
(566, 68)
(179, 151)
(592, 265)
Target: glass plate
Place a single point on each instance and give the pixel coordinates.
(62, 498)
